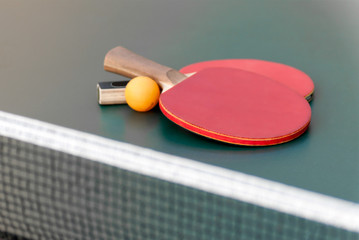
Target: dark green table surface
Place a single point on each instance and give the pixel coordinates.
(51, 57)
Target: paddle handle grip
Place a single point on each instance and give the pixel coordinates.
(129, 64)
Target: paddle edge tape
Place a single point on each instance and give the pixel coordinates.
(231, 139)
(309, 97)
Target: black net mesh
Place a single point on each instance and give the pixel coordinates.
(47, 194)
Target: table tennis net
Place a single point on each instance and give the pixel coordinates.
(50, 194)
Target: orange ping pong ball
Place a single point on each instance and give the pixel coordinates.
(142, 93)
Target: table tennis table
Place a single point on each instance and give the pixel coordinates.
(72, 169)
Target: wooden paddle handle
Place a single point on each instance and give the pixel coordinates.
(122, 61)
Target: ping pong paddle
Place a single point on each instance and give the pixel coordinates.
(246, 109)
(287, 75)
